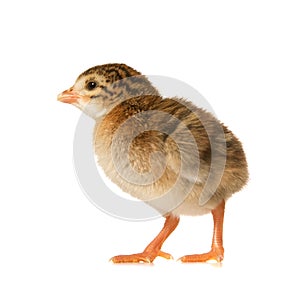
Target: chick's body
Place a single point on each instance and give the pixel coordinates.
(173, 119)
(165, 151)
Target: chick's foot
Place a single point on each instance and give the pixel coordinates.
(216, 254)
(143, 257)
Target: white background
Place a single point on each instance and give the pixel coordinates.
(243, 56)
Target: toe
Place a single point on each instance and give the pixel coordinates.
(212, 255)
(165, 255)
(133, 258)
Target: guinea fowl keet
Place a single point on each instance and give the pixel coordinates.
(176, 157)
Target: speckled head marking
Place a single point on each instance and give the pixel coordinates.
(112, 71)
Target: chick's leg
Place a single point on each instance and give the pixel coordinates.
(217, 250)
(154, 248)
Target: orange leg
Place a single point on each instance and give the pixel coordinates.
(217, 250)
(154, 248)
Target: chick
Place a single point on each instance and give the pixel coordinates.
(176, 157)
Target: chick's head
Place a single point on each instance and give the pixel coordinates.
(97, 90)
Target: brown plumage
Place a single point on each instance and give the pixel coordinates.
(165, 151)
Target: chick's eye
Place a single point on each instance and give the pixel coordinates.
(91, 85)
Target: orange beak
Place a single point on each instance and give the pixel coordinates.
(68, 96)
